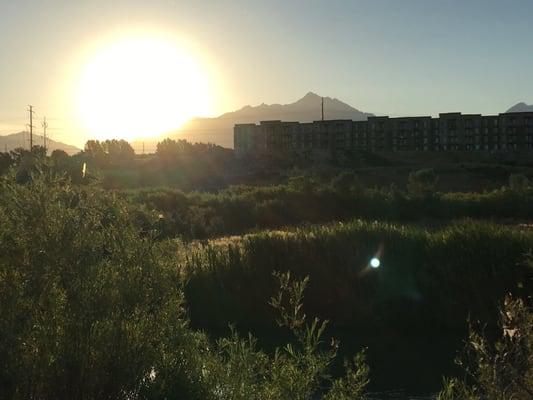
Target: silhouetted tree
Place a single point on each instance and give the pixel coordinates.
(5, 162)
(95, 151)
(167, 150)
(118, 151)
(59, 161)
(110, 152)
(59, 154)
(38, 151)
(171, 150)
(18, 154)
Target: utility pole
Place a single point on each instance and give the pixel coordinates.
(45, 125)
(322, 109)
(143, 148)
(30, 110)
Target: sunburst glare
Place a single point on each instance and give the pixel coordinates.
(141, 87)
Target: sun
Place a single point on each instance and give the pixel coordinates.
(139, 87)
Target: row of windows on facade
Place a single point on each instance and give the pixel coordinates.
(390, 133)
(389, 125)
(364, 129)
(426, 147)
(399, 145)
(401, 138)
(397, 134)
(508, 131)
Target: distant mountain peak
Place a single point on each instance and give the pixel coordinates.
(309, 98)
(520, 107)
(306, 109)
(311, 95)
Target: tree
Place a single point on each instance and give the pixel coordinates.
(93, 148)
(172, 150)
(95, 152)
(119, 151)
(58, 155)
(38, 151)
(110, 152)
(18, 154)
(60, 162)
(26, 162)
(167, 150)
(5, 162)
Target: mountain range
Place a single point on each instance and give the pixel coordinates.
(521, 107)
(307, 109)
(11, 142)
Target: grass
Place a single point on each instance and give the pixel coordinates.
(437, 277)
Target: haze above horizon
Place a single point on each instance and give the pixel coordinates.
(412, 57)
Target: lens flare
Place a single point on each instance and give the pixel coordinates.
(375, 263)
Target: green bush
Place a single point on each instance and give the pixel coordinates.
(92, 308)
(240, 209)
(87, 303)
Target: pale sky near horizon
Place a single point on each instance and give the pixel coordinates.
(411, 57)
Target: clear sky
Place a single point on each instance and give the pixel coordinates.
(395, 57)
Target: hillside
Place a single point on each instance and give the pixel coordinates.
(11, 142)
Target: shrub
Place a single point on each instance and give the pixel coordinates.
(92, 308)
(501, 369)
(297, 371)
(87, 301)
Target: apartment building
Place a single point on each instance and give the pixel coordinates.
(449, 132)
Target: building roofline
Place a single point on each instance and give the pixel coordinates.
(385, 117)
(333, 120)
(517, 112)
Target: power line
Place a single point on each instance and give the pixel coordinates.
(30, 110)
(45, 126)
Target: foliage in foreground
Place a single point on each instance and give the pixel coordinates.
(426, 278)
(86, 302)
(239, 209)
(92, 308)
(501, 369)
(307, 197)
